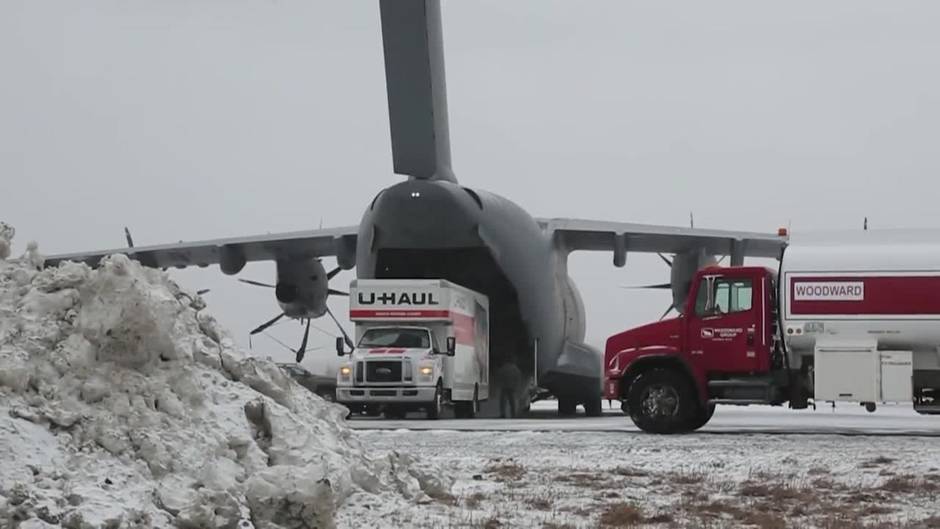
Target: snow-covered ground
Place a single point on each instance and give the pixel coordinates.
(123, 404)
(845, 419)
(750, 467)
(561, 479)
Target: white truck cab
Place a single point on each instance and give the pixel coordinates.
(420, 345)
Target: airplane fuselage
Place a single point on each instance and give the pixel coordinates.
(439, 229)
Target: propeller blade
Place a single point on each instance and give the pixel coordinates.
(346, 337)
(665, 259)
(333, 292)
(332, 273)
(203, 291)
(256, 283)
(664, 286)
(663, 317)
(128, 238)
(265, 325)
(303, 343)
(287, 347)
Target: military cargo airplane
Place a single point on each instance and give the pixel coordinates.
(432, 226)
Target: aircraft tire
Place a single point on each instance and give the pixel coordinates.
(567, 406)
(593, 407)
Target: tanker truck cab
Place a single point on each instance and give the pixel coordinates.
(420, 345)
(723, 347)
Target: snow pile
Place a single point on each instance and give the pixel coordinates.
(123, 404)
(6, 240)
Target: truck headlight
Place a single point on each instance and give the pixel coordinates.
(425, 371)
(345, 372)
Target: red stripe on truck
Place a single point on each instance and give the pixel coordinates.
(463, 329)
(404, 314)
(865, 295)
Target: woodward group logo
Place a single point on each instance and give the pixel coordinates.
(829, 291)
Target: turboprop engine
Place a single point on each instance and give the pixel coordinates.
(682, 267)
(302, 289)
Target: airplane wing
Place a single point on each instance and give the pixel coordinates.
(232, 254)
(622, 237)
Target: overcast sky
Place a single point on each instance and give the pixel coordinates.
(192, 119)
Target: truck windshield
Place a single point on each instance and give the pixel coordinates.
(408, 338)
(728, 295)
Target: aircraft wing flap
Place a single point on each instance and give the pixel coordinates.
(578, 234)
(270, 247)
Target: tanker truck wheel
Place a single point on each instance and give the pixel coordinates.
(702, 416)
(662, 401)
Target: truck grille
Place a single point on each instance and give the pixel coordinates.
(383, 371)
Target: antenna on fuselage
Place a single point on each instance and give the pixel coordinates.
(128, 238)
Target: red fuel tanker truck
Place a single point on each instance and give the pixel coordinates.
(854, 320)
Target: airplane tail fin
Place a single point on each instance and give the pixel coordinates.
(417, 96)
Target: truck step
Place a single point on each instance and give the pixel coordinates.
(739, 402)
(740, 383)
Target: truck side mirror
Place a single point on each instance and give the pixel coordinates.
(340, 346)
(451, 346)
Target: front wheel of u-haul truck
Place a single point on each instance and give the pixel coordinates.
(436, 407)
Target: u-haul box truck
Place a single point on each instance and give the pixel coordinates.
(420, 345)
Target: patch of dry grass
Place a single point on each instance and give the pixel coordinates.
(621, 515)
(715, 509)
(687, 478)
(444, 498)
(474, 500)
(900, 484)
(540, 503)
(877, 462)
(492, 523)
(628, 472)
(661, 518)
(587, 480)
(506, 471)
(763, 520)
(555, 525)
(776, 492)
